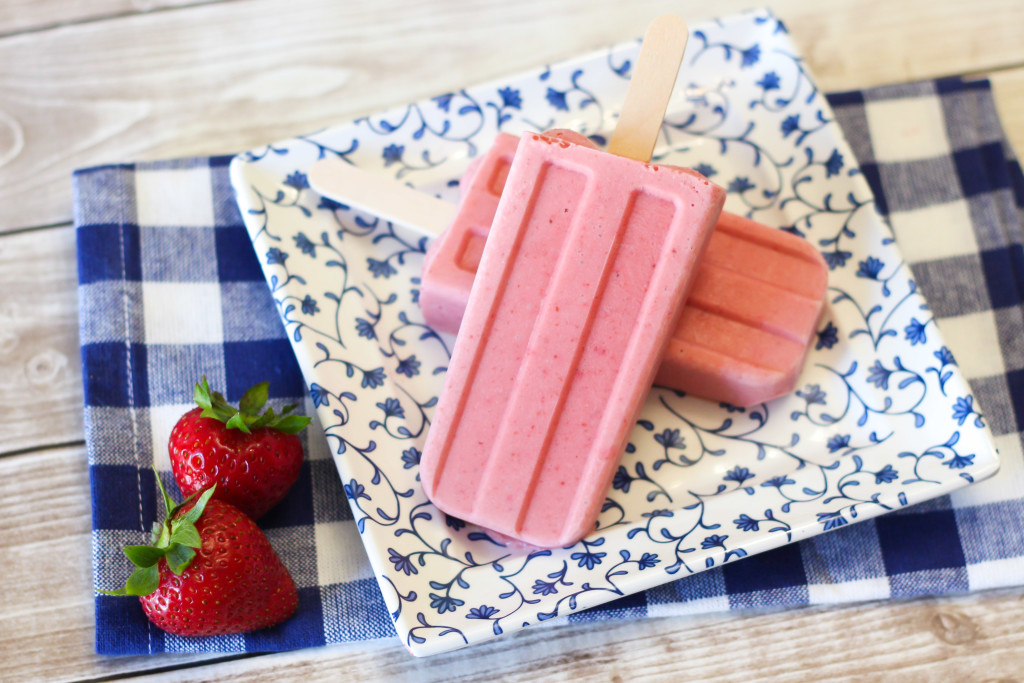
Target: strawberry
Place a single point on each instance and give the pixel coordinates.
(254, 459)
(209, 571)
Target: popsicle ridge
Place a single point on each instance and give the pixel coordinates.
(635, 305)
(482, 184)
(783, 312)
(556, 348)
(767, 351)
(752, 276)
(510, 301)
(784, 265)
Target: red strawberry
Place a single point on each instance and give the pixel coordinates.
(210, 571)
(254, 459)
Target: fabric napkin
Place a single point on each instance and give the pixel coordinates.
(170, 290)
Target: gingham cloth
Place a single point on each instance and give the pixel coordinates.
(170, 290)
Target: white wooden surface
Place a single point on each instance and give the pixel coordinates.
(84, 82)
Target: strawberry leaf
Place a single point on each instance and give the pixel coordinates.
(143, 581)
(164, 539)
(196, 511)
(174, 511)
(254, 398)
(237, 422)
(201, 394)
(168, 501)
(179, 557)
(291, 424)
(186, 534)
(215, 413)
(264, 419)
(143, 555)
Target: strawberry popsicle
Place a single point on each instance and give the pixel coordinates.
(582, 277)
(744, 331)
(746, 327)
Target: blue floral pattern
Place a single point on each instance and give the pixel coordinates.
(881, 419)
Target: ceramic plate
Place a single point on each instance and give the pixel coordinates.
(881, 417)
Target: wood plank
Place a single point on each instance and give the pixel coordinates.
(1008, 87)
(40, 369)
(34, 15)
(224, 77)
(44, 518)
(927, 640)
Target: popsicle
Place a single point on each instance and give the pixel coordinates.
(582, 277)
(746, 327)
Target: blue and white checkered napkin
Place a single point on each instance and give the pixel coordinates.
(170, 290)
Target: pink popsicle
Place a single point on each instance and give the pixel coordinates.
(745, 329)
(582, 277)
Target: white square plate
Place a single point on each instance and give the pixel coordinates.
(882, 417)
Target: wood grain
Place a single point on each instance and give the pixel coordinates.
(40, 370)
(1008, 87)
(34, 15)
(926, 640)
(200, 80)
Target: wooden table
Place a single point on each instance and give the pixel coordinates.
(84, 82)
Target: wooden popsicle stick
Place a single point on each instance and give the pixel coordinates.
(381, 196)
(651, 86)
